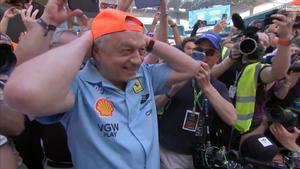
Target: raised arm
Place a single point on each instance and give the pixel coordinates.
(35, 42)
(176, 33)
(223, 107)
(8, 14)
(162, 33)
(281, 62)
(183, 66)
(124, 5)
(47, 78)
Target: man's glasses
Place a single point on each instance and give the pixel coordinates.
(208, 52)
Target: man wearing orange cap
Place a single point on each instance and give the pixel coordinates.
(110, 117)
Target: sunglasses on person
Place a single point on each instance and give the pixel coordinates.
(108, 5)
(208, 52)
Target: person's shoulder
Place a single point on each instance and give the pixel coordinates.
(220, 86)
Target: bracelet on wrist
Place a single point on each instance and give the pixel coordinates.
(150, 45)
(284, 42)
(47, 27)
(164, 14)
(173, 25)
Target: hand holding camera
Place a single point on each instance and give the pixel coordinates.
(286, 138)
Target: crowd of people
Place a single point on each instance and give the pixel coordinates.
(107, 93)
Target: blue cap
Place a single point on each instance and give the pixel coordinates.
(214, 39)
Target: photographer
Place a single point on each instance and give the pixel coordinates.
(198, 111)
(288, 139)
(287, 90)
(260, 152)
(251, 76)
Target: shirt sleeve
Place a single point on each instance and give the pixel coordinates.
(221, 88)
(159, 74)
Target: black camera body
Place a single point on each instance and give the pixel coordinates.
(295, 67)
(206, 156)
(286, 117)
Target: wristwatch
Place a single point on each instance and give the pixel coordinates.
(3, 140)
(150, 45)
(173, 25)
(47, 27)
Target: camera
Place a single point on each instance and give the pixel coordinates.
(285, 116)
(248, 46)
(295, 67)
(206, 156)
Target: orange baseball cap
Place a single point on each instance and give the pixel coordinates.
(112, 20)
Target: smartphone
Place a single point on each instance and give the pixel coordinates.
(89, 7)
(147, 3)
(38, 6)
(224, 16)
(197, 55)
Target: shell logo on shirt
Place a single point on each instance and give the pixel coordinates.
(104, 108)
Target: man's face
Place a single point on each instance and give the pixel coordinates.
(212, 54)
(189, 47)
(120, 55)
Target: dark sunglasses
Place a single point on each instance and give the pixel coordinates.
(107, 5)
(208, 52)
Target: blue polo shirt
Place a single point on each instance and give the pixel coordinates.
(113, 129)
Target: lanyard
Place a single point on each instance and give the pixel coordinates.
(196, 97)
(238, 74)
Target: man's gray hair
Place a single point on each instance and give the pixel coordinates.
(100, 42)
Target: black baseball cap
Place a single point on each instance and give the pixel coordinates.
(259, 147)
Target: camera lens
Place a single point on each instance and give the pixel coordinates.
(248, 46)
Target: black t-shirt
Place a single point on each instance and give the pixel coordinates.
(171, 124)
(55, 143)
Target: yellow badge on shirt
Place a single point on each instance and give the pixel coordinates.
(137, 88)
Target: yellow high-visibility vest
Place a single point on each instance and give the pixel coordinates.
(245, 96)
(225, 52)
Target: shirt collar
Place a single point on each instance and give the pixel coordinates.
(91, 74)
